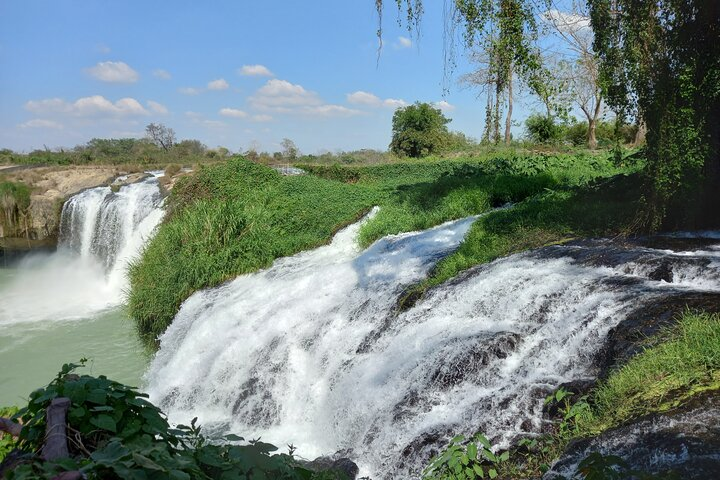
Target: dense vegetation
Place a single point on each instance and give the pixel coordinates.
(655, 62)
(115, 433)
(238, 217)
(14, 203)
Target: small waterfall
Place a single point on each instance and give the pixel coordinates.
(312, 350)
(100, 232)
(103, 224)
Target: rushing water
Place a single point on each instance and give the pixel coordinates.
(312, 351)
(60, 307)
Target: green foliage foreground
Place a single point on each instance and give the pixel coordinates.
(115, 433)
(238, 217)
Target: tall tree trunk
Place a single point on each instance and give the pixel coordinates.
(640, 134)
(592, 140)
(592, 118)
(508, 117)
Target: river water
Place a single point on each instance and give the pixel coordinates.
(60, 307)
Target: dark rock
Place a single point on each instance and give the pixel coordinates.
(637, 330)
(685, 441)
(337, 464)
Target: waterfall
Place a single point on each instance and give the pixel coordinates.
(100, 232)
(312, 351)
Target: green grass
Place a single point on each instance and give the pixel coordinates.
(661, 377)
(238, 217)
(683, 361)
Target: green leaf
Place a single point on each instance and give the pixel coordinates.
(472, 451)
(504, 456)
(479, 471)
(145, 462)
(105, 422)
(492, 473)
(98, 396)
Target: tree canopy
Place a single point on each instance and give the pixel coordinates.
(419, 130)
(659, 63)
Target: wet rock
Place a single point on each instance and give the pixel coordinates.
(685, 441)
(637, 330)
(337, 464)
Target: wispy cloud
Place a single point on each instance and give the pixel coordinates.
(403, 42)
(113, 72)
(369, 99)
(189, 90)
(41, 123)
(156, 107)
(162, 74)
(444, 106)
(219, 84)
(255, 71)
(233, 112)
(96, 105)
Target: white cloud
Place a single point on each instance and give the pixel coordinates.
(394, 103)
(233, 112)
(363, 98)
(255, 71)
(156, 107)
(189, 90)
(40, 123)
(281, 94)
(102, 48)
(114, 72)
(262, 118)
(444, 106)
(162, 74)
(96, 105)
(219, 84)
(329, 110)
(372, 100)
(403, 42)
(214, 123)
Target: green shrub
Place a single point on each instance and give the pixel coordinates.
(419, 130)
(542, 129)
(115, 433)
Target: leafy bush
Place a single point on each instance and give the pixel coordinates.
(465, 461)
(115, 433)
(419, 130)
(542, 129)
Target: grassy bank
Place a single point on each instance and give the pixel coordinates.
(238, 217)
(660, 378)
(684, 361)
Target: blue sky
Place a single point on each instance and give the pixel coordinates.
(238, 73)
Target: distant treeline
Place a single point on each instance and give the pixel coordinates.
(117, 151)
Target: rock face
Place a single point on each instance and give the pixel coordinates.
(685, 441)
(346, 468)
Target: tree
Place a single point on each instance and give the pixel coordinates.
(290, 150)
(419, 130)
(574, 30)
(660, 61)
(160, 135)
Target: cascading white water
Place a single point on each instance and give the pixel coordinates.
(311, 351)
(100, 232)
